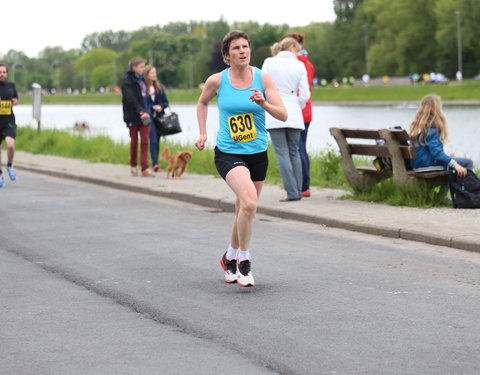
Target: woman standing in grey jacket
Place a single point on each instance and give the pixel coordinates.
(290, 76)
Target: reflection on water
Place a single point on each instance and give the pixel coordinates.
(108, 120)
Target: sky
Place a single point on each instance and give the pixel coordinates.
(50, 23)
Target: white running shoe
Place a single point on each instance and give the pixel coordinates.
(244, 274)
(230, 268)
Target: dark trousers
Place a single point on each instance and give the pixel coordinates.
(154, 144)
(304, 158)
(144, 131)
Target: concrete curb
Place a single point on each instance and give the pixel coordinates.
(460, 242)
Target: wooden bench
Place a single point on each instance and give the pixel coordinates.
(363, 177)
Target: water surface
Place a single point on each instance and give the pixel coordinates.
(108, 120)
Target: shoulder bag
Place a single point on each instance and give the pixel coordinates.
(168, 124)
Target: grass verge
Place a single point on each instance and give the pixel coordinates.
(468, 90)
(326, 167)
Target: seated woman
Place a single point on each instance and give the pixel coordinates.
(430, 129)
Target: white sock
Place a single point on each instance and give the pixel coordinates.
(243, 255)
(232, 253)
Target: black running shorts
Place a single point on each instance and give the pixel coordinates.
(7, 130)
(257, 164)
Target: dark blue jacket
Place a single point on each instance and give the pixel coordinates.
(159, 99)
(431, 154)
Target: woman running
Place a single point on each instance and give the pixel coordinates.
(243, 93)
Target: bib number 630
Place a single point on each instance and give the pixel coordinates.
(242, 127)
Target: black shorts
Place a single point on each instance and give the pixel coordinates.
(7, 130)
(257, 164)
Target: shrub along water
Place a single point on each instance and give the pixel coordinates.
(326, 166)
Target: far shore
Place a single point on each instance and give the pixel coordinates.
(381, 103)
(334, 103)
(453, 94)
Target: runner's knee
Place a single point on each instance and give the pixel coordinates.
(249, 205)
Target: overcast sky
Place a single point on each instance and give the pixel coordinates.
(32, 25)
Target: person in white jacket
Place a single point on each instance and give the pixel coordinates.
(290, 76)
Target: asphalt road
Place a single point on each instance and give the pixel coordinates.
(99, 281)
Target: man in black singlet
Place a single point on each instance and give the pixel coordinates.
(8, 128)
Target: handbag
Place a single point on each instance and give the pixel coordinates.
(168, 124)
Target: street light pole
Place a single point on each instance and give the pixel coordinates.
(459, 42)
(190, 60)
(365, 29)
(14, 66)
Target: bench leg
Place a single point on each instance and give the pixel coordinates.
(355, 178)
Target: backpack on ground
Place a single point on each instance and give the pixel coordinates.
(465, 191)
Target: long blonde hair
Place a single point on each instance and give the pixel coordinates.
(285, 45)
(148, 81)
(429, 115)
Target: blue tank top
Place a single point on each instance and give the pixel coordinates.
(242, 122)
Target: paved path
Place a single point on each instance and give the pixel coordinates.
(457, 228)
(100, 281)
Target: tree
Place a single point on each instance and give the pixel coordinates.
(87, 63)
(446, 35)
(17, 63)
(348, 47)
(403, 36)
(101, 76)
(319, 44)
(117, 41)
(166, 54)
(345, 9)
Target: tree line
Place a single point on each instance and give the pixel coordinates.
(378, 37)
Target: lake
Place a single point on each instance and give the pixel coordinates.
(464, 122)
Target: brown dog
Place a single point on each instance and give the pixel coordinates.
(177, 164)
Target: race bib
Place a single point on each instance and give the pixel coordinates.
(5, 107)
(242, 127)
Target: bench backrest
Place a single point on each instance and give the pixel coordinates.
(406, 149)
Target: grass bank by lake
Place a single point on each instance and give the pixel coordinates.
(326, 167)
(468, 90)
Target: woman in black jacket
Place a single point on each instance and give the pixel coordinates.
(136, 114)
(158, 103)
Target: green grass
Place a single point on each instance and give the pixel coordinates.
(326, 166)
(423, 196)
(468, 90)
(62, 143)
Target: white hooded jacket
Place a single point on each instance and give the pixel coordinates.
(290, 76)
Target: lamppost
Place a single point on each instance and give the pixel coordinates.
(365, 29)
(54, 65)
(114, 65)
(459, 42)
(190, 59)
(14, 65)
